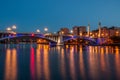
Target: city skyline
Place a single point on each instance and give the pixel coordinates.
(31, 15)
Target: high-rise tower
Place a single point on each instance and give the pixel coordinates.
(99, 27)
(88, 30)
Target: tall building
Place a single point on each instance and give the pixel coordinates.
(88, 30)
(106, 32)
(99, 27)
(114, 31)
(79, 30)
(64, 31)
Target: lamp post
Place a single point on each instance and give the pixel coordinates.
(8, 29)
(71, 31)
(54, 32)
(38, 31)
(14, 27)
(11, 31)
(45, 29)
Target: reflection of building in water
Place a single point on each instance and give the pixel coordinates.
(107, 50)
(46, 63)
(81, 63)
(11, 65)
(40, 66)
(63, 64)
(102, 50)
(103, 62)
(72, 64)
(58, 49)
(99, 61)
(38, 63)
(14, 64)
(93, 61)
(117, 61)
(32, 64)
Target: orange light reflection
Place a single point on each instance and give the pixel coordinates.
(93, 62)
(46, 63)
(117, 61)
(81, 63)
(11, 65)
(32, 64)
(72, 64)
(63, 64)
(38, 62)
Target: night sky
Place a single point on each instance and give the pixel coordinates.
(29, 15)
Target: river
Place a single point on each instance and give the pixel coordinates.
(70, 62)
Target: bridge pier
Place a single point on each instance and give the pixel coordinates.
(60, 40)
(101, 41)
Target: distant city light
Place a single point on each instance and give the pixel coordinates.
(62, 32)
(90, 33)
(102, 34)
(80, 34)
(71, 31)
(54, 32)
(106, 34)
(117, 32)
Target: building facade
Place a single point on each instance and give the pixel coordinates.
(106, 32)
(64, 31)
(79, 30)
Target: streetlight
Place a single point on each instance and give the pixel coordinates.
(38, 31)
(14, 27)
(8, 29)
(45, 29)
(71, 31)
(54, 32)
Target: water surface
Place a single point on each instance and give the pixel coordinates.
(42, 62)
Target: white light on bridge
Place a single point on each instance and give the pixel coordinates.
(38, 31)
(54, 32)
(71, 31)
(46, 29)
(14, 27)
(8, 29)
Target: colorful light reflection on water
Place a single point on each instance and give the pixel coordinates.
(42, 62)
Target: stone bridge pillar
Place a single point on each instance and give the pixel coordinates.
(99, 37)
(60, 40)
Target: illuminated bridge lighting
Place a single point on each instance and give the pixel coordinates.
(33, 34)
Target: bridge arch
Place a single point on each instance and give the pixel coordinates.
(80, 40)
(27, 38)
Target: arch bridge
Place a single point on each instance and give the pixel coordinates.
(45, 39)
(26, 38)
(79, 40)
